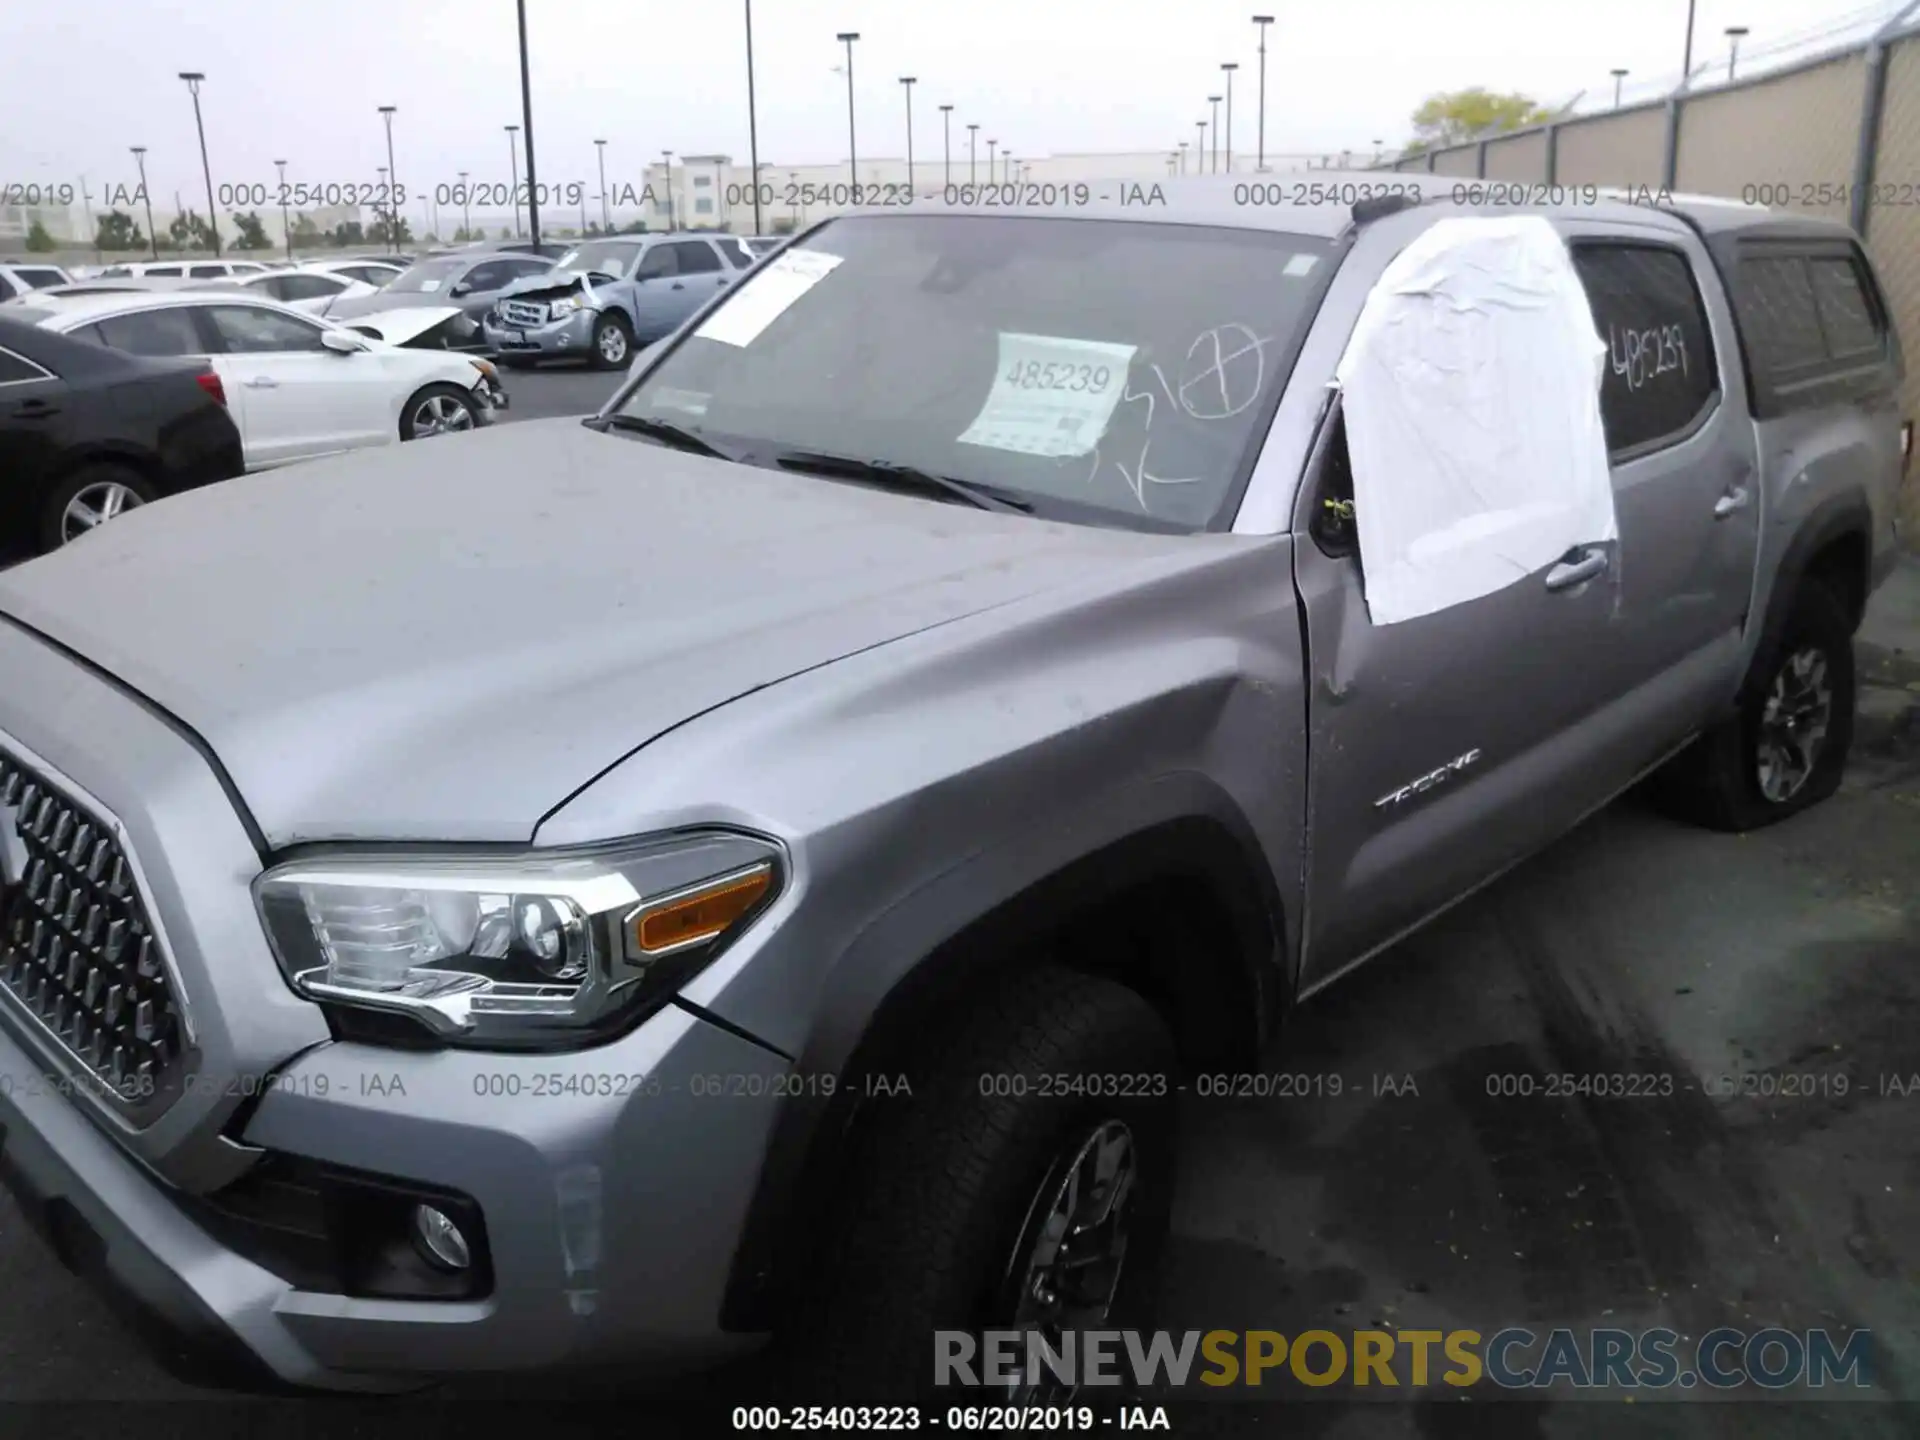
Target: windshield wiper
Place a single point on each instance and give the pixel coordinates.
(665, 431)
(904, 477)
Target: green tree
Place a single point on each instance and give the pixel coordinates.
(116, 231)
(783, 225)
(38, 240)
(253, 235)
(506, 232)
(381, 232)
(429, 239)
(347, 234)
(190, 232)
(305, 232)
(1455, 117)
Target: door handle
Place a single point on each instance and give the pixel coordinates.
(723, 281)
(1576, 567)
(678, 286)
(35, 410)
(1738, 498)
(263, 382)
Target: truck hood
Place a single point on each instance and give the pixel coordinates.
(446, 639)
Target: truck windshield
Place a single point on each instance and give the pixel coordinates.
(1117, 371)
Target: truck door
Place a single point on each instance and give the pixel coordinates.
(1687, 495)
(1444, 748)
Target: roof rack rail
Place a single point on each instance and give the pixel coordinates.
(1377, 207)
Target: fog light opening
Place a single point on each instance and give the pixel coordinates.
(440, 1240)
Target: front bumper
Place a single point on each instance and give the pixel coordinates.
(571, 335)
(610, 1220)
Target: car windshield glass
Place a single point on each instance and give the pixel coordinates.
(610, 257)
(1104, 370)
(430, 275)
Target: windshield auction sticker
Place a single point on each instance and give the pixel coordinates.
(1051, 395)
(767, 295)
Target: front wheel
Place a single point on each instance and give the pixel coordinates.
(437, 410)
(87, 499)
(612, 342)
(1786, 748)
(1024, 1185)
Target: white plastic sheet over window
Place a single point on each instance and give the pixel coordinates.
(1471, 389)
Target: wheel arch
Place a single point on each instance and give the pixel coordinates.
(1184, 910)
(1833, 545)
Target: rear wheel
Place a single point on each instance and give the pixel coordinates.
(1787, 747)
(87, 499)
(1024, 1185)
(612, 342)
(437, 410)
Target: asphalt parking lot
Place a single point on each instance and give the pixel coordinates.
(1633, 947)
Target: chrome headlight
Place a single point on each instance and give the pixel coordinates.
(567, 305)
(531, 951)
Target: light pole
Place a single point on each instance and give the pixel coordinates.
(526, 118)
(286, 226)
(385, 220)
(753, 125)
(193, 79)
(667, 157)
(973, 134)
(140, 159)
(847, 37)
(992, 145)
(1686, 60)
(946, 145)
(1263, 21)
(793, 189)
(906, 84)
(513, 161)
(1618, 74)
(466, 197)
(1229, 66)
(1006, 167)
(1734, 32)
(1214, 100)
(606, 222)
(1200, 150)
(393, 179)
(1183, 157)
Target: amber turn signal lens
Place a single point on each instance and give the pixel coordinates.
(701, 914)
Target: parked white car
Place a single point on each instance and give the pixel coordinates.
(297, 386)
(310, 288)
(181, 270)
(24, 277)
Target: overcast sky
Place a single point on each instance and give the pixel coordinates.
(87, 78)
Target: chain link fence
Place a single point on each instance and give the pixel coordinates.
(1835, 135)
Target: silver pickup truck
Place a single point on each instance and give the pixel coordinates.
(759, 863)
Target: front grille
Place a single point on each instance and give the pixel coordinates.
(80, 952)
(519, 312)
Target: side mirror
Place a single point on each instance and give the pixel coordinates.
(341, 343)
(463, 288)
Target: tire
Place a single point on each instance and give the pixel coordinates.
(103, 486)
(612, 343)
(437, 410)
(946, 1189)
(1731, 778)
